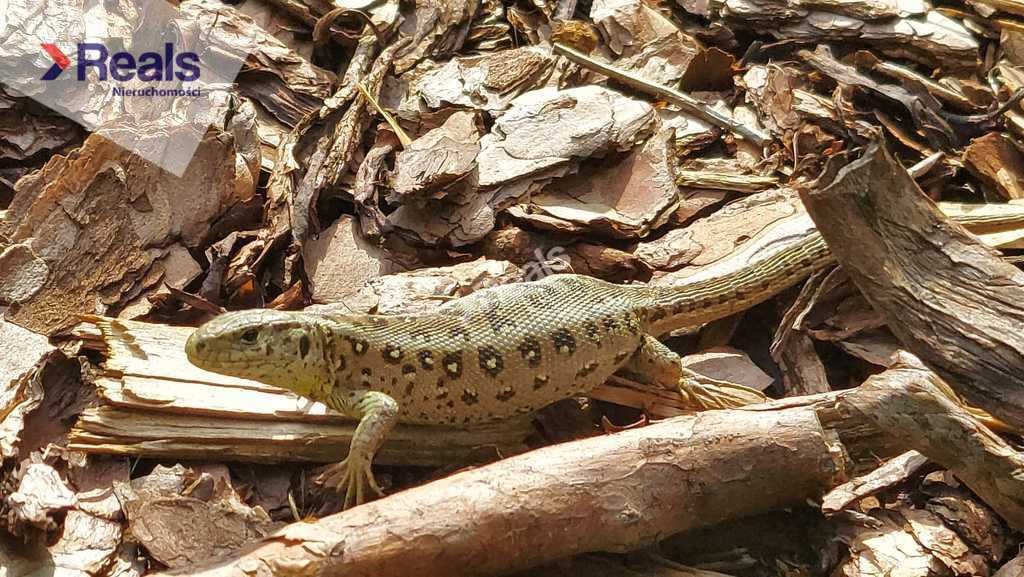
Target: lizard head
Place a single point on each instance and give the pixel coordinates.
(278, 348)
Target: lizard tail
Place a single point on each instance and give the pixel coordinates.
(668, 308)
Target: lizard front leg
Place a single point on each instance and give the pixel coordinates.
(662, 366)
(377, 414)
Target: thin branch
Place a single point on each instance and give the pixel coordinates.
(684, 101)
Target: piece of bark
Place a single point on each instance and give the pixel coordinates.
(544, 135)
(948, 298)
(486, 82)
(436, 159)
(22, 273)
(41, 495)
(906, 541)
(549, 128)
(924, 35)
(91, 538)
(803, 373)
(771, 90)
(285, 84)
(25, 354)
(876, 347)
(948, 94)
(183, 517)
(614, 493)
(623, 199)
(1013, 568)
(340, 261)
(958, 507)
(103, 220)
(893, 471)
(438, 30)
(921, 106)
(728, 364)
(29, 130)
(645, 40)
(998, 164)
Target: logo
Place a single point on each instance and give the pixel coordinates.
(125, 66)
(179, 82)
(60, 61)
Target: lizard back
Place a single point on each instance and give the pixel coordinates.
(499, 351)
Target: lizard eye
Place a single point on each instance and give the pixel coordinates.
(249, 337)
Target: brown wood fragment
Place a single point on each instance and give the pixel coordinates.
(947, 297)
(1014, 567)
(98, 249)
(893, 471)
(903, 539)
(803, 373)
(997, 163)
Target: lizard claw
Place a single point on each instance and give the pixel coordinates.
(351, 478)
(707, 393)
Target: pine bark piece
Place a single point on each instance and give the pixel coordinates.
(803, 372)
(948, 298)
(892, 472)
(625, 199)
(997, 163)
(436, 159)
(901, 539)
(613, 493)
(25, 354)
(1013, 568)
(340, 261)
(103, 223)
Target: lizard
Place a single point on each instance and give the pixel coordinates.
(489, 355)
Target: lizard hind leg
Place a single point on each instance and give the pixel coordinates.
(353, 478)
(660, 365)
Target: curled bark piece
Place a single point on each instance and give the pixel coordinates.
(893, 471)
(948, 298)
(613, 493)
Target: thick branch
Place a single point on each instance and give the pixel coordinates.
(622, 491)
(613, 493)
(947, 297)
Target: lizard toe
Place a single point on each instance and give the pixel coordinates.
(351, 479)
(335, 476)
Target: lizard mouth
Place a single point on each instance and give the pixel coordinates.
(198, 351)
(210, 358)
